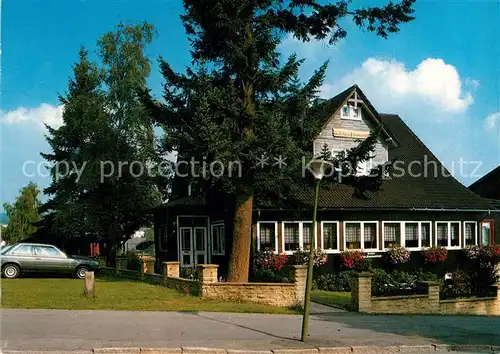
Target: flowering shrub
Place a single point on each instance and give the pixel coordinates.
(267, 259)
(397, 255)
(485, 253)
(435, 255)
(352, 259)
(302, 257)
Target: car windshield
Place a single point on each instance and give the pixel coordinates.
(4, 249)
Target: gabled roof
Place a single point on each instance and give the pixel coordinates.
(419, 191)
(488, 186)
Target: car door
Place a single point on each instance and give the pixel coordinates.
(48, 259)
(24, 255)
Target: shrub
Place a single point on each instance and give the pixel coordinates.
(354, 260)
(267, 259)
(481, 266)
(301, 257)
(397, 255)
(399, 282)
(435, 255)
(190, 273)
(269, 276)
(333, 282)
(459, 284)
(133, 261)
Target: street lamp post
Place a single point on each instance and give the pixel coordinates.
(317, 168)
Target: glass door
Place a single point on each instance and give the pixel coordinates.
(486, 233)
(200, 245)
(186, 246)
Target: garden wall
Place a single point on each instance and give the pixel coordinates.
(363, 301)
(208, 287)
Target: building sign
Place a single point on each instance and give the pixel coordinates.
(343, 133)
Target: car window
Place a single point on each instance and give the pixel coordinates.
(47, 251)
(23, 250)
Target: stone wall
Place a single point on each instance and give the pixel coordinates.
(363, 301)
(276, 294)
(208, 287)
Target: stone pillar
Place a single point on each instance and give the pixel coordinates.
(148, 266)
(121, 263)
(361, 292)
(300, 279)
(208, 273)
(172, 269)
(433, 294)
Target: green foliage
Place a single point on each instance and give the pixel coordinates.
(250, 105)
(268, 275)
(400, 283)
(106, 144)
(133, 261)
(190, 273)
(334, 282)
(23, 214)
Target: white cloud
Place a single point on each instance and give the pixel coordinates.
(44, 113)
(492, 121)
(432, 83)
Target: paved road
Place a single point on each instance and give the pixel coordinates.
(83, 330)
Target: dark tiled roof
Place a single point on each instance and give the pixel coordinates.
(185, 201)
(493, 175)
(421, 190)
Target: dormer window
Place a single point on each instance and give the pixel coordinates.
(349, 111)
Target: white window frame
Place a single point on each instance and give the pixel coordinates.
(449, 233)
(301, 234)
(402, 233)
(476, 230)
(275, 234)
(337, 223)
(351, 112)
(362, 241)
(222, 241)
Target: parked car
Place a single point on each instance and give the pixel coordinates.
(42, 258)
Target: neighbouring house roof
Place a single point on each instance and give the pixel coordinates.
(421, 192)
(488, 186)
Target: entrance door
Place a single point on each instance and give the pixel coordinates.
(200, 245)
(193, 246)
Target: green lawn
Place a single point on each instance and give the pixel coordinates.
(330, 298)
(113, 294)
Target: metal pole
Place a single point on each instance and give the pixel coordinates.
(307, 297)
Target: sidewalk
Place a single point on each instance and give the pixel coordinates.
(83, 330)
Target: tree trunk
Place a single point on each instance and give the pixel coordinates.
(239, 262)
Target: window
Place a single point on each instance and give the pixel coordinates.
(329, 236)
(307, 232)
(486, 232)
(47, 251)
(22, 250)
(425, 234)
(448, 233)
(348, 111)
(267, 233)
(291, 236)
(361, 235)
(442, 234)
(470, 233)
(392, 234)
(411, 235)
(218, 240)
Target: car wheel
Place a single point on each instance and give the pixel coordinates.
(11, 271)
(81, 271)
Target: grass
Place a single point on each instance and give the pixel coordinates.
(330, 298)
(114, 294)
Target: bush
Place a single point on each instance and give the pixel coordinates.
(301, 257)
(133, 261)
(481, 266)
(459, 284)
(435, 255)
(399, 282)
(397, 255)
(262, 275)
(270, 267)
(333, 282)
(355, 260)
(190, 273)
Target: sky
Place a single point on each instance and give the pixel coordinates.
(440, 73)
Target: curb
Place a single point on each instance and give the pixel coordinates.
(436, 348)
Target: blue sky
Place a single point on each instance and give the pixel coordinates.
(440, 73)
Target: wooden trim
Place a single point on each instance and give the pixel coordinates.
(280, 245)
